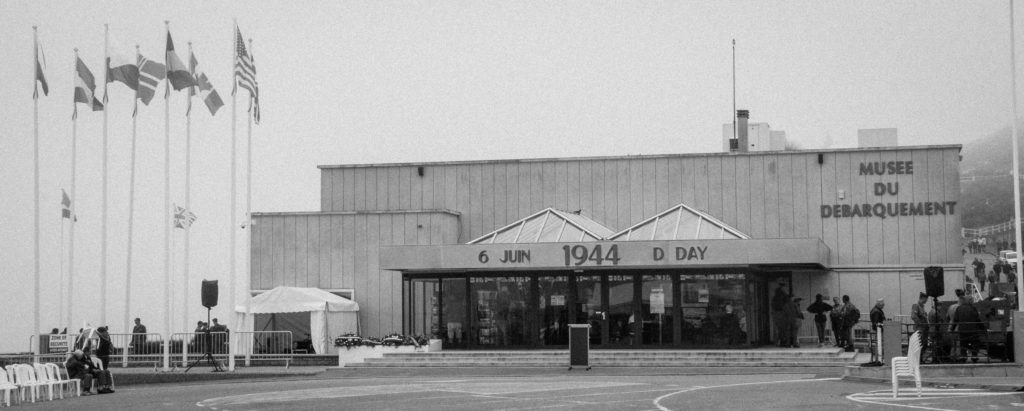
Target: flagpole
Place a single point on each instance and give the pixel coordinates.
(234, 178)
(74, 202)
(103, 218)
(131, 208)
(232, 218)
(248, 208)
(165, 217)
(188, 189)
(35, 191)
(1016, 166)
(735, 132)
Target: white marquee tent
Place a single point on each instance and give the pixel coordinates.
(284, 308)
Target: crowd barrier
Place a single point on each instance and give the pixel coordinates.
(148, 349)
(992, 343)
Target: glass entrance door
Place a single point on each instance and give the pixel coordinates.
(499, 310)
(552, 293)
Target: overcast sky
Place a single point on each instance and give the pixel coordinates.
(414, 81)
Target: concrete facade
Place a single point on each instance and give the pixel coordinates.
(883, 213)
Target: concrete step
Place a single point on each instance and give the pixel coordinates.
(384, 364)
(414, 360)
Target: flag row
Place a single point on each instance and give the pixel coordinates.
(143, 76)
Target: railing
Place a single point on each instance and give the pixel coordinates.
(988, 230)
(991, 343)
(148, 349)
(265, 346)
(194, 346)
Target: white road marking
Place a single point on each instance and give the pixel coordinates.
(657, 401)
(884, 397)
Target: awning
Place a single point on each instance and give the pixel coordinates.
(805, 253)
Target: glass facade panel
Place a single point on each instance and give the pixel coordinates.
(453, 312)
(588, 306)
(625, 309)
(658, 309)
(620, 310)
(714, 309)
(554, 315)
(500, 310)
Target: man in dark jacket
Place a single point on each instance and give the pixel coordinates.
(967, 324)
(795, 318)
(877, 316)
(779, 301)
(819, 308)
(851, 316)
(836, 317)
(80, 367)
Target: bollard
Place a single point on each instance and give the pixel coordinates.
(167, 352)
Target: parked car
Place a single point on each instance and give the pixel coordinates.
(1009, 256)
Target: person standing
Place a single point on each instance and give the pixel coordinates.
(795, 318)
(919, 314)
(819, 308)
(967, 322)
(836, 318)
(138, 336)
(877, 316)
(779, 301)
(104, 348)
(851, 316)
(979, 273)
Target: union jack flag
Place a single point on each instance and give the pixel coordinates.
(182, 217)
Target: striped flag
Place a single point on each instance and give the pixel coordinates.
(150, 75)
(85, 87)
(122, 68)
(182, 217)
(245, 75)
(177, 74)
(40, 77)
(206, 90)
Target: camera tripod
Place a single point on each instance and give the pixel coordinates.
(207, 348)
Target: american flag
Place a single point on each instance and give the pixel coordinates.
(182, 217)
(245, 75)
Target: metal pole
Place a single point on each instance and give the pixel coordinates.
(232, 220)
(165, 217)
(35, 191)
(131, 208)
(74, 215)
(188, 193)
(1018, 320)
(735, 132)
(103, 217)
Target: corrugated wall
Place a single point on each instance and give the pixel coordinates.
(766, 195)
(340, 250)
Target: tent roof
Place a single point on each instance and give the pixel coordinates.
(296, 299)
(548, 226)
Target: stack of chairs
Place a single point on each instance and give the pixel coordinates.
(31, 379)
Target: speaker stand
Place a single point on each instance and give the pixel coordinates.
(206, 356)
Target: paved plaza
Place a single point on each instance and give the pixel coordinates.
(568, 391)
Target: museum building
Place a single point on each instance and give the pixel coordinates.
(652, 251)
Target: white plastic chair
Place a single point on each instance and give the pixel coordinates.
(6, 385)
(74, 385)
(26, 379)
(44, 378)
(909, 366)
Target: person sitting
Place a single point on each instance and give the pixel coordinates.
(81, 368)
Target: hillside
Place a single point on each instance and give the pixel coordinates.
(986, 191)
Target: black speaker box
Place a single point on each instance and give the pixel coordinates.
(209, 293)
(934, 285)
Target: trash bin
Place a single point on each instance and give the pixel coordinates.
(579, 345)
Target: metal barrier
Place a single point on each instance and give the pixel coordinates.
(148, 349)
(265, 346)
(193, 346)
(992, 343)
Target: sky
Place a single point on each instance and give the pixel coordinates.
(354, 82)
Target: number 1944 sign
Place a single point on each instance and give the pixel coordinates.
(583, 255)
